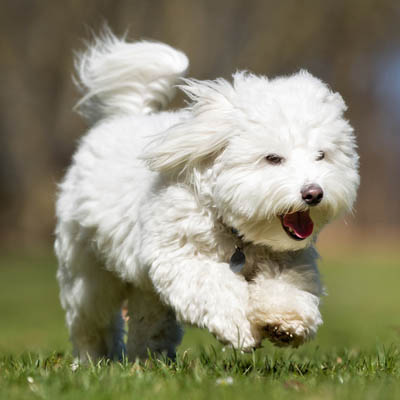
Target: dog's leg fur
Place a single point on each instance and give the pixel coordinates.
(152, 327)
(92, 298)
(207, 294)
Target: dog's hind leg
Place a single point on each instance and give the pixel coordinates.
(153, 327)
(92, 298)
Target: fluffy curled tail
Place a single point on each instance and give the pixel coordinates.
(117, 77)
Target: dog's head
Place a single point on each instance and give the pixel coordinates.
(276, 157)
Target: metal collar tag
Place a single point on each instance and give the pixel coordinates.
(237, 261)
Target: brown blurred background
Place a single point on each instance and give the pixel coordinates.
(354, 45)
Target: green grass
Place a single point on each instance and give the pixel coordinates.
(355, 356)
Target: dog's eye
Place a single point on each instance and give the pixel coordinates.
(321, 155)
(274, 159)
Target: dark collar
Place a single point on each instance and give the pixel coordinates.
(236, 233)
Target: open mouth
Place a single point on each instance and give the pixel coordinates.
(297, 225)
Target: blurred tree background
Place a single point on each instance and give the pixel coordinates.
(353, 45)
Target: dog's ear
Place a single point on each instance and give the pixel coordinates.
(202, 133)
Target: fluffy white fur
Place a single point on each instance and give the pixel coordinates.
(146, 210)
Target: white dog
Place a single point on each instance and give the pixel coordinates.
(207, 215)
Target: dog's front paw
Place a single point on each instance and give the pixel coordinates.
(282, 334)
(285, 315)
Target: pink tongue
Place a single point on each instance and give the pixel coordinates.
(300, 222)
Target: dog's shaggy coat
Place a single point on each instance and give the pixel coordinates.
(155, 203)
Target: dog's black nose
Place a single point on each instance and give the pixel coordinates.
(312, 194)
